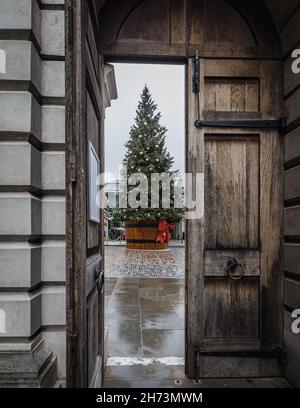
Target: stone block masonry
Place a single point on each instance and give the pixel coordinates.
(32, 193)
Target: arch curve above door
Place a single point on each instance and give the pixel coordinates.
(175, 28)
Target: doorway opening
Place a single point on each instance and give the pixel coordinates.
(144, 278)
(234, 152)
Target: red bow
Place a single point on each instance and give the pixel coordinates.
(165, 230)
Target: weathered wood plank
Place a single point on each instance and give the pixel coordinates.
(231, 192)
(178, 22)
(231, 308)
(92, 46)
(240, 167)
(216, 29)
(84, 327)
(196, 22)
(253, 193)
(215, 115)
(232, 344)
(218, 367)
(271, 203)
(216, 261)
(271, 235)
(231, 95)
(231, 67)
(147, 51)
(76, 202)
(93, 83)
(271, 89)
(69, 192)
(194, 230)
(135, 27)
(218, 17)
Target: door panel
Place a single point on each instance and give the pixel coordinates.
(84, 235)
(231, 95)
(231, 319)
(214, 261)
(93, 293)
(231, 192)
(231, 309)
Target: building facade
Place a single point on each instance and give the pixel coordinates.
(32, 191)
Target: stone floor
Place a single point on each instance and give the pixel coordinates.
(166, 376)
(172, 243)
(145, 317)
(133, 263)
(145, 322)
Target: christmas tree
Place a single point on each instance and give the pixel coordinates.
(147, 153)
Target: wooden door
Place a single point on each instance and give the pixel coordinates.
(84, 140)
(234, 293)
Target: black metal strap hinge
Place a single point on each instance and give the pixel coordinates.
(243, 124)
(73, 348)
(196, 72)
(196, 364)
(72, 167)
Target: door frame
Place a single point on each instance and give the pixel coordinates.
(76, 194)
(185, 63)
(271, 107)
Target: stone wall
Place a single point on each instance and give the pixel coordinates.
(290, 35)
(32, 191)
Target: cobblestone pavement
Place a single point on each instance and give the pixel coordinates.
(121, 262)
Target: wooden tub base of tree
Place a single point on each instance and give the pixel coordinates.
(142, 235)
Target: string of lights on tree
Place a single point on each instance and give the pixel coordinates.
(147, 153)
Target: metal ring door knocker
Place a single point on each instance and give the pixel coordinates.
(232, 266)
(99, 276)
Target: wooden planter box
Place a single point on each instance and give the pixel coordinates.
(142, 235)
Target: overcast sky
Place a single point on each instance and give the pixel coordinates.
(166, 83)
